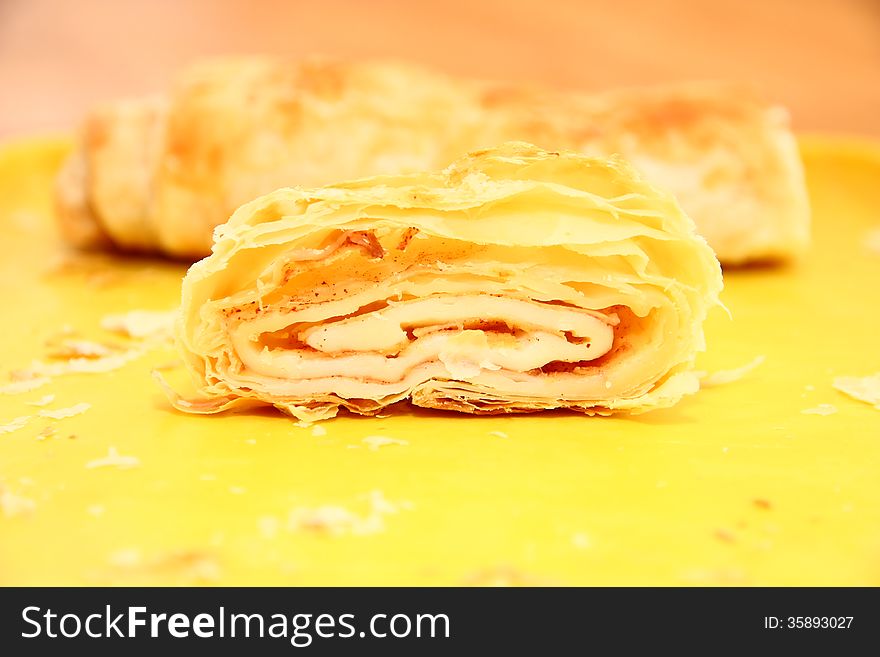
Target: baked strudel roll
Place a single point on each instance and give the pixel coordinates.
(515, 280)
(159, 174)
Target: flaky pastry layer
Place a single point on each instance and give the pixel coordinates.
(515, 280)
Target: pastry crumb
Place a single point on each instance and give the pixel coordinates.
(723, 377)
(61, 413)
(498, 434)
(15, 424)
(19, 386)
(337, 520)
(42, 401)
(70, 349)
(862, 388)
(114, 459)
(334, 520)
(85, 365)
(15, 505)
(140, 324)
(375, 442)
(193, 565)
(821, 409)
(318, 431)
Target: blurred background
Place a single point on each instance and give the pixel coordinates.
(821, 58)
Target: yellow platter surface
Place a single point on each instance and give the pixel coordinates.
(734, 486)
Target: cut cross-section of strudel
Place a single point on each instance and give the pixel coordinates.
(515, 280)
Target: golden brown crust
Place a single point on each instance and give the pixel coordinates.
(156, 179)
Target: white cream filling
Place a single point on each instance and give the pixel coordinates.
(383, 330)
(375, 349)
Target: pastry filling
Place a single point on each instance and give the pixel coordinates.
(367, 316)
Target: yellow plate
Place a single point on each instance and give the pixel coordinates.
(733, 486)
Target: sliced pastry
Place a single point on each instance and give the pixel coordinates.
(515, 280)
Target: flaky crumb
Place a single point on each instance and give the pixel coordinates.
(61, 413)
(70, 349)
(318, 431)
(337, 520)
(821, 409)
(498, 434)
(141, 324)
(375, 442)
(379, 503)
(42, 401)
(15, 424)
(114, 459)
(23, 385)
(196, 565)
(15, 505)
(85, 365)
(862, 388)
(722, 377)
(334, 520)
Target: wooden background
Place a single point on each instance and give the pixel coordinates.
(819, 57)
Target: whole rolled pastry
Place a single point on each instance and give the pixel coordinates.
(516, 280)
(159, 174)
